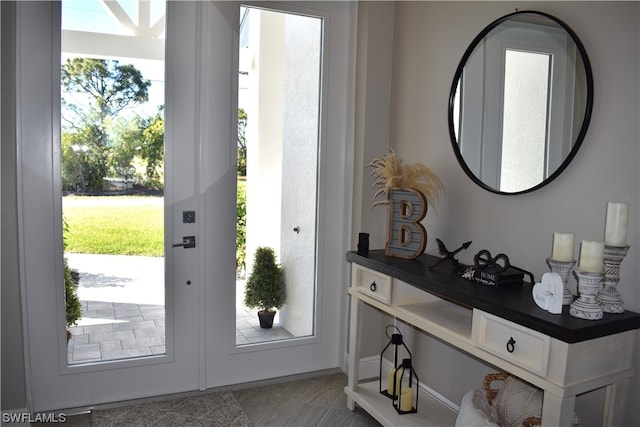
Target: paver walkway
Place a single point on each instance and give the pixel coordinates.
(123, 309)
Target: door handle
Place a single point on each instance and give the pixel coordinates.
(187, 242)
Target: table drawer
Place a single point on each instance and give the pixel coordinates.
(512, 342)
(371, 283)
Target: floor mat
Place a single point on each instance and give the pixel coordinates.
(208, 409)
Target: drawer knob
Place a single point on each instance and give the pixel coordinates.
(373, 286)
(511, 345)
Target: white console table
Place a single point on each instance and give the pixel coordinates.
(562, 355)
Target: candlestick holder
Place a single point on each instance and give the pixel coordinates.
(609, 297)
(586, 306)
(563, 268)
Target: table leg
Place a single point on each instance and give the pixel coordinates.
(557, 411)
(614, 403)
(355, 326)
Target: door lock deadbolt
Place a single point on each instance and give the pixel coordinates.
(188, 217)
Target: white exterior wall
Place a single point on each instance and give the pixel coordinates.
(282, 153)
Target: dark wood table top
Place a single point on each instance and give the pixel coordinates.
(514, 303)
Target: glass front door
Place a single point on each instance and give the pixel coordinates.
(141, 336)
(280, 63)
(289, 78)
(200, 201)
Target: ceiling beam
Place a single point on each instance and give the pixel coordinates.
(99, 45)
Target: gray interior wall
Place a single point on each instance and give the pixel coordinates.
(372, 127)
(13, 379)
(429, 39)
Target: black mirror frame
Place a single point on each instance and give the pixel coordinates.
(585, 121)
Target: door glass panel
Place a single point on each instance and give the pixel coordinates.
(279, 129)
(113, 179)
(525, 120)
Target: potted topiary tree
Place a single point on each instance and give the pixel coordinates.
(73, 305)
(265, 288)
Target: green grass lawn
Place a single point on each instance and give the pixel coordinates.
(127, 225)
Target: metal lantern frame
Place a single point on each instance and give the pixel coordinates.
(407, 367)
(396, 341)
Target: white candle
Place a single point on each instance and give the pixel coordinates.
(406, 399)
(392, 374)
(562, 247)
(615, 230)
(591, 256)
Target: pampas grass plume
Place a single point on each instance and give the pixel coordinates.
(390, 172)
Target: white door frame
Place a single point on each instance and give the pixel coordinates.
(40, 225)
(227, 363)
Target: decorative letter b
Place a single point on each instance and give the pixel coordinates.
(407, 237)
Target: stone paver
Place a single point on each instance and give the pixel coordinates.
(123, 310)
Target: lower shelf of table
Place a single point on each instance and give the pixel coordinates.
(431, 411)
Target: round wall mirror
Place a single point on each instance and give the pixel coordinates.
(520, 102)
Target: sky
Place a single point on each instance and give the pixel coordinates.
(92, 16)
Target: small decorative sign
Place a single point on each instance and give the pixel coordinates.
(495, 272)
(509, 277)
(407, 238)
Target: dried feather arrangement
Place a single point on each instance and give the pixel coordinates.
(390, 172)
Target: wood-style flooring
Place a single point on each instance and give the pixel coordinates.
(318, 401)
(312, 401)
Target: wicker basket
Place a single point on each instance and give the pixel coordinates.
(489, 379)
